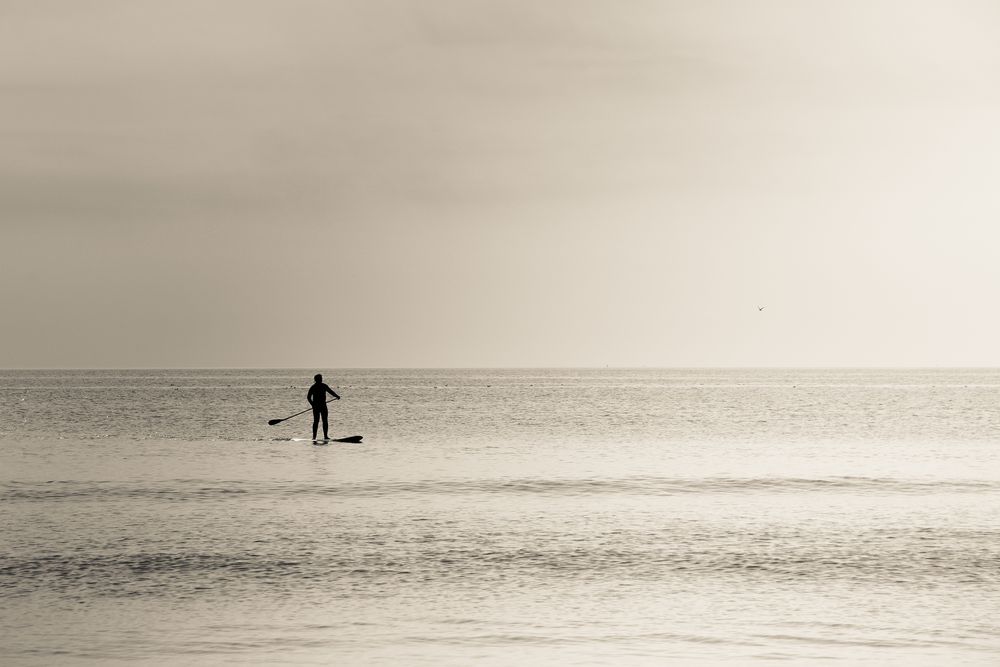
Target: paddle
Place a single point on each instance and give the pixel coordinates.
(272, 422)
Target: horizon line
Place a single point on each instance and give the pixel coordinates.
(312, 369)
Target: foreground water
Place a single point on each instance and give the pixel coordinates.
(601, 517)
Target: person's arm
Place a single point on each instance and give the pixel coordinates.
(309, 396)
(332, 393)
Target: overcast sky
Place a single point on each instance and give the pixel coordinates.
(495, 183)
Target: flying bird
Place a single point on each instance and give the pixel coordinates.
(759, 308)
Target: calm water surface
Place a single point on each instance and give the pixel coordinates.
(601, 517)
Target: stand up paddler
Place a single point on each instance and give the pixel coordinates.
(317, 399)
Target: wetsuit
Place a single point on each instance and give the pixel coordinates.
(317, 399)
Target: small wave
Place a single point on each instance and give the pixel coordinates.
(346, 560)
(98, 490)
(569, 640)
(140, 574)
(652, 486)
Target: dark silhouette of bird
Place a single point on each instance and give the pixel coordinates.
(760, 308)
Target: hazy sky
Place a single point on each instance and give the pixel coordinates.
(497, 183)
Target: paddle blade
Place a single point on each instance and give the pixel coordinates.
(272, 422)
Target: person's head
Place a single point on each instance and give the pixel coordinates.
(318, 377)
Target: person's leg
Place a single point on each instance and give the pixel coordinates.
(316, 422)
(326, 424)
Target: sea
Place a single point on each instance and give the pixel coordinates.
(501, 517)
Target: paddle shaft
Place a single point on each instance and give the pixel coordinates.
(278, 421)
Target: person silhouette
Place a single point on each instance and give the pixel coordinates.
(317, 399)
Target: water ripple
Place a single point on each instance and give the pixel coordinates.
(183, 490)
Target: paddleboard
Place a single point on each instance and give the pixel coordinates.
(355, 439)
